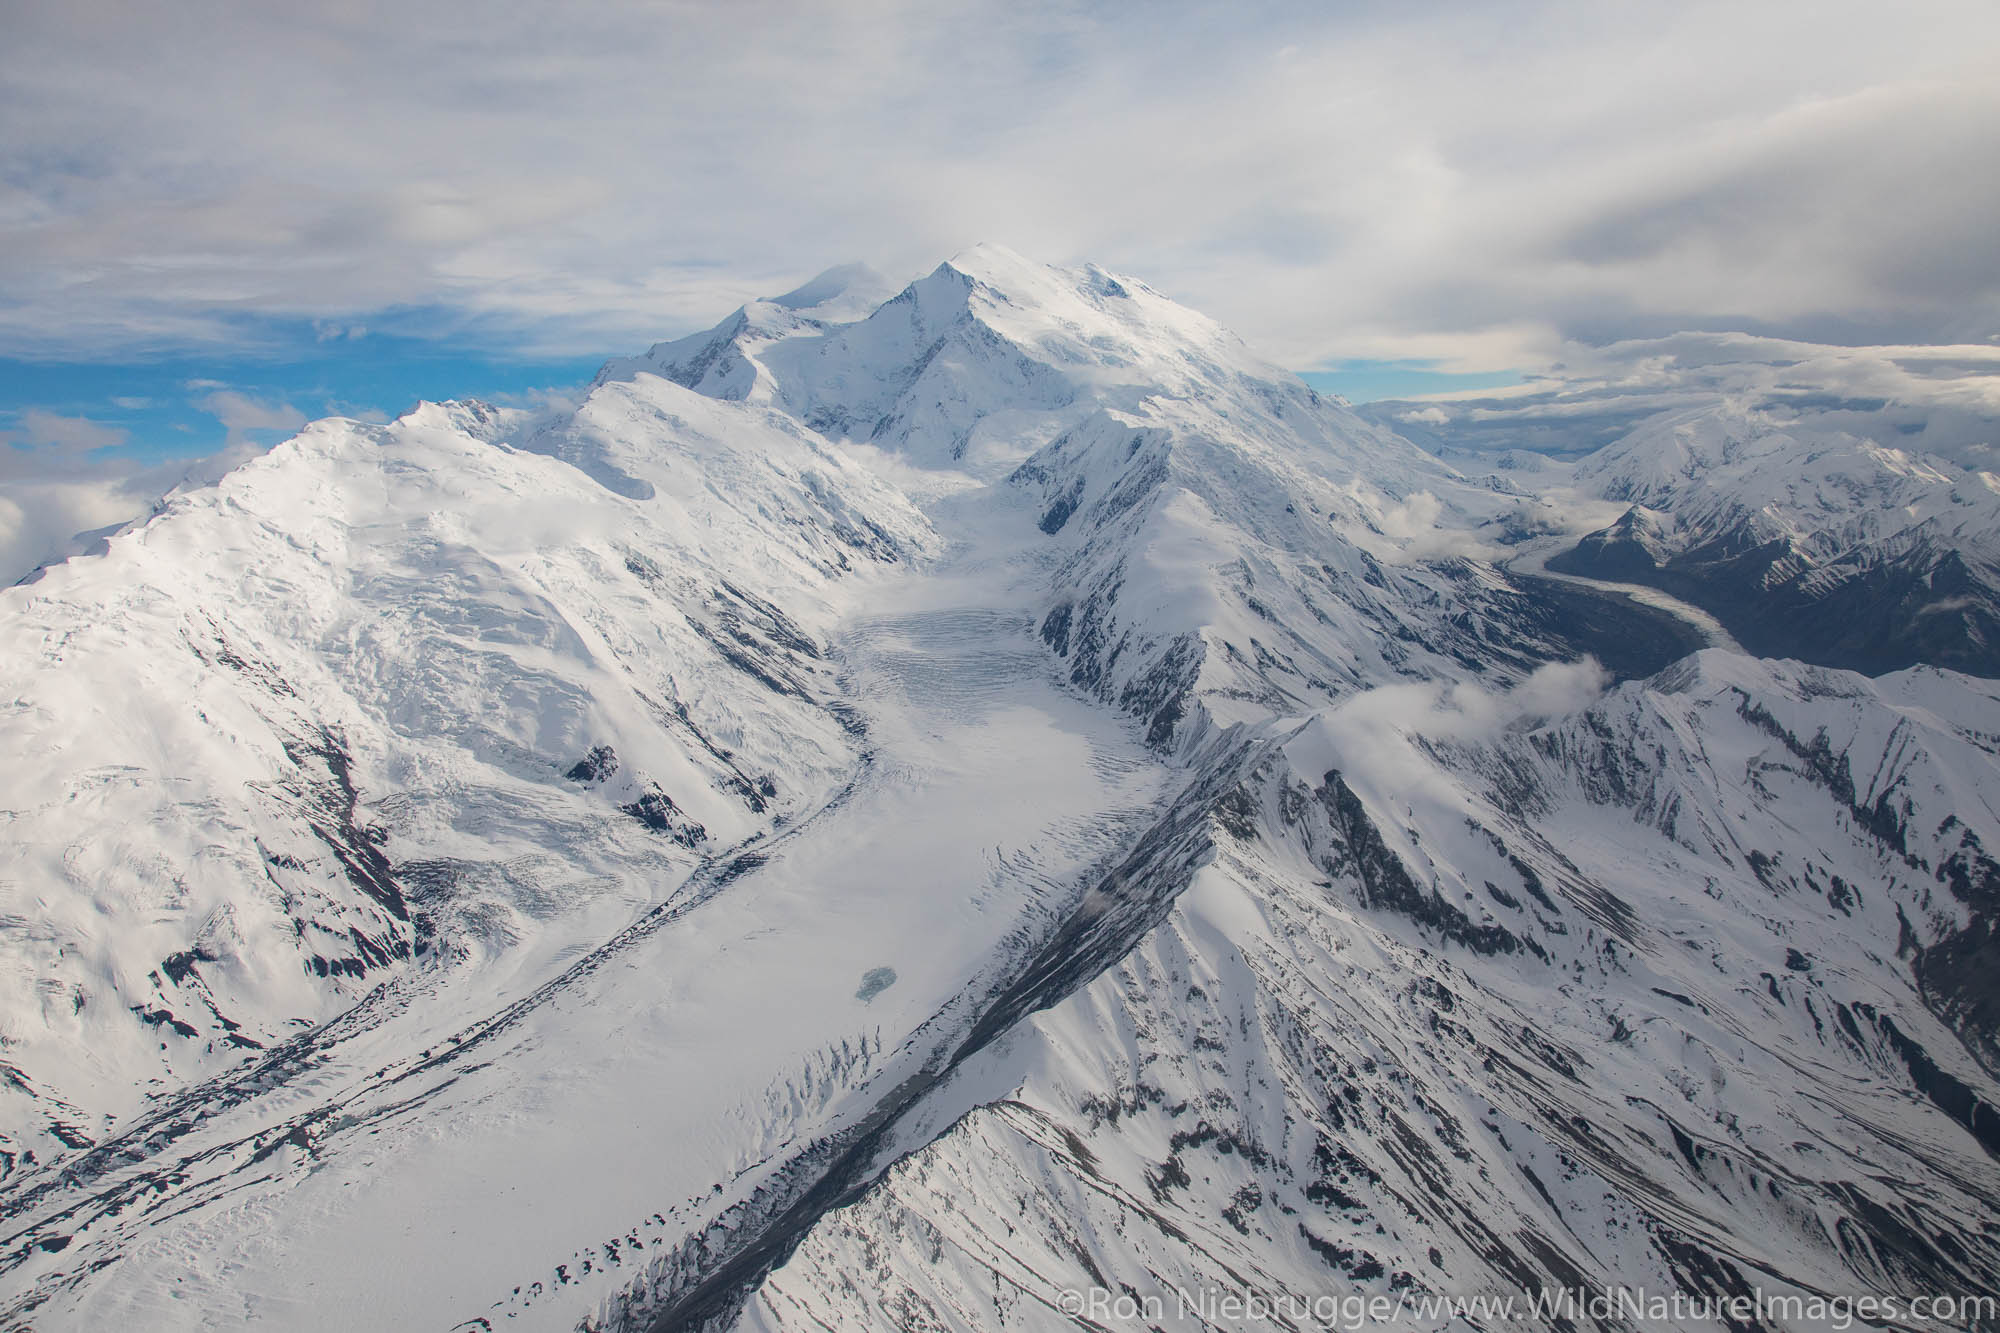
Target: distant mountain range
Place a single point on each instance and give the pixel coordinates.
(1812, 519)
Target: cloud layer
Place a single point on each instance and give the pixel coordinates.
(1941, 399)
(52, 433)
(1472, 182)
(240, 414)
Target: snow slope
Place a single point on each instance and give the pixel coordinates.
(1470, 1003)
(1233, 545)
(331, 722)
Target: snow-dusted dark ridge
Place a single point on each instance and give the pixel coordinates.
(911, 803)
(1805, 540)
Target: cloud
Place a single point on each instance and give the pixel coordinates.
(55, 482)
(55, 495)
(39, 517)
(39, 429)
(51, 499)
(1416, 528)
(1475, 182)
(240, 414)
(1466, 712)
(1380, 737)
(1943, 400)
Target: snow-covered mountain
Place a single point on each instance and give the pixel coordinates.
(1817, 544)
(1228, 542)
(1836, 505)
(536, 678)
(1466, 1001)
(906, 808)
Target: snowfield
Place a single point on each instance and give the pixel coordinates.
(911, 804)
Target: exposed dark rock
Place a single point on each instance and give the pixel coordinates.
(657, 811)
(1868, 612)
(1386, 882)
(599, 764)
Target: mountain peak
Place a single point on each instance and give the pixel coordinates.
(990, 262)
(1029, 284)
(842, 293)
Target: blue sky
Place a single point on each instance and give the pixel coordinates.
(188, 406)
(1360, 381)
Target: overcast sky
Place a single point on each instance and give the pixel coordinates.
(1473, 183)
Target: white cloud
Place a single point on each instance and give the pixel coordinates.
(39, 429)
(62, 488)
(1941, 399)
(1378, 734)
(1472, 182)
(49, 498)
(39, 517)
(1417, 528)
(240, 414)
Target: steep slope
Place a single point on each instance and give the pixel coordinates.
(1806, 542)
(765, 1017)
(1472, 1007)
(1401, 1074)
(394, 700)
(1234, 546)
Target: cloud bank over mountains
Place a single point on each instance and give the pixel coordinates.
(1471, 183)
(1939, 400)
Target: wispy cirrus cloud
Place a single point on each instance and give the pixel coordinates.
(240, 414)
(38, 429)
